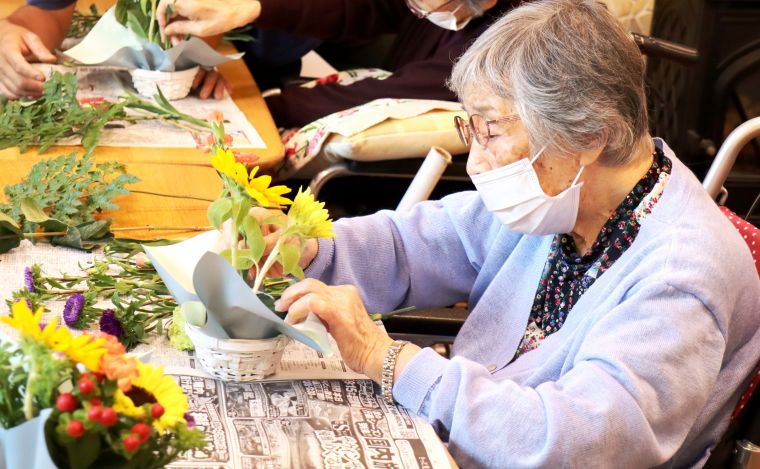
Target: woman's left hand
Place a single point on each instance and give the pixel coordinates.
(362, 344)
(210, 84)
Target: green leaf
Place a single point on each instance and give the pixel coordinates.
(7, 225)
(134, 24)
(219, 211)
(194, 313)
(32, 211)
(289, 256)
(85, 236)
(95, 230)
(227, 255)
(83, 451)
(244, 260)
(240, 208)
(10, 234)
(253, 237)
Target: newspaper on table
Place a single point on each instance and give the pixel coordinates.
(111, 83)
(314, 412)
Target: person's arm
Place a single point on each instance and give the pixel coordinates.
(50, 25)
(324, 19)
(29, 34)
(632, 391)
(333, 20)
(429, 256)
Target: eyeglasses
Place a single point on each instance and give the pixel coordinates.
(419, 12)
(480, 127)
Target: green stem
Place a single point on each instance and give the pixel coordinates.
(31, 381)
(267, 265)
(234, 245)
(153, 21)
(174, 196)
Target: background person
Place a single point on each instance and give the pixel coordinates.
(30, 33)
(431, 34)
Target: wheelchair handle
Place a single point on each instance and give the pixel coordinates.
(654, 47)
(727, 154)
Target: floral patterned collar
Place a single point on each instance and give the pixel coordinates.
(567, 274)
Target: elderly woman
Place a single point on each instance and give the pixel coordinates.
(613, 309)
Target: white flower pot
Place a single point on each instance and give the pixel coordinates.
(174, 85)
(24, 446)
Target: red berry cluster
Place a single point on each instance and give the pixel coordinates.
(68, 403)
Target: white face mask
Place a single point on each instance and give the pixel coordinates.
(514, 195)
(447, 19)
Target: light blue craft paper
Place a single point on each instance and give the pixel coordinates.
(193, 271)
(110, 43)
(241, 313)
(175, 264)
(24, 446)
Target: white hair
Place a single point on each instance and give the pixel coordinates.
(574, 75)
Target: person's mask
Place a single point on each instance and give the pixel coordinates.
(447, 19)
(513, 194)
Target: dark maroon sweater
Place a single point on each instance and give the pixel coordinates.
(421, 57)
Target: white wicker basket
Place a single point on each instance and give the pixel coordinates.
(235, 359)
(174, 85)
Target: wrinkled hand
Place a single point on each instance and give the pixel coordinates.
(362, 344)
(18, 46)
(210, 83)
(204, 17)
(271, 235)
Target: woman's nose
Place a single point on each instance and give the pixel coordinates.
(477, 161)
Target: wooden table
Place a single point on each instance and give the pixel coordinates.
(171, 171)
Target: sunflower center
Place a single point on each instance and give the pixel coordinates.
(140, 396)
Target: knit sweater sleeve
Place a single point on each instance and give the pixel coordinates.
(632, 392)
(427, 257)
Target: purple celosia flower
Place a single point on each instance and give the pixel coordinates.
(110, 324)
(29, 280)
(189, 419)
(73, 309)
(29, 304)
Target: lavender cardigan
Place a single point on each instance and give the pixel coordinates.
(644, 372)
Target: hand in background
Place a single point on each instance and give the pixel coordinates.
(210, 83)
(271, 235)
(19, 45)
(178, 18)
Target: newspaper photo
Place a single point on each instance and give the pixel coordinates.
(323, 423)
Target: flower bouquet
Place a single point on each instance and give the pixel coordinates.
(128, 36)
(79, 402)
(219, 277)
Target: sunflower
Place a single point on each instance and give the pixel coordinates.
(155, 387)
(82, 349)
(310, 217)
(258, 188)
(224, 162)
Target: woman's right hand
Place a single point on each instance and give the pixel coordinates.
(272, 233)
(203, 18)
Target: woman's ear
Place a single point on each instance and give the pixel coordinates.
(597, 145)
